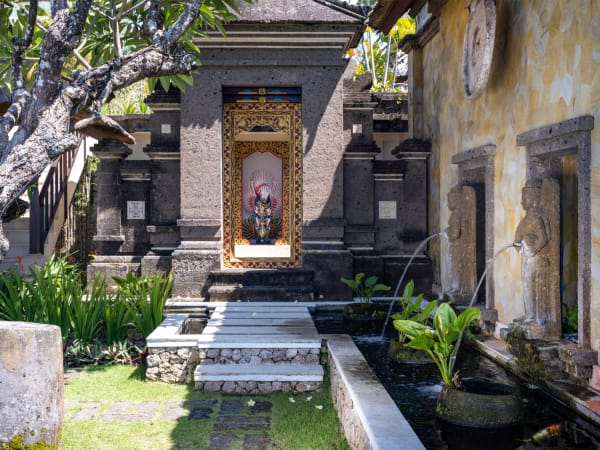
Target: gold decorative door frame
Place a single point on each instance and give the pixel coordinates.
(262, 185)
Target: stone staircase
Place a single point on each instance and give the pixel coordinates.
(261, 285)
(258, 348)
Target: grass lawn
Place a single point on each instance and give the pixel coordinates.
(297, 424)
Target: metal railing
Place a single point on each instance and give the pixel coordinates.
(45, 201)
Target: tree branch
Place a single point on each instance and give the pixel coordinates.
(10, 118)
(154, 20)
(60, 40)
(21, 44)
(57, 5)
(191, 12)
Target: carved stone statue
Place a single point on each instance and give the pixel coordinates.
(539, 234)
(462, 258)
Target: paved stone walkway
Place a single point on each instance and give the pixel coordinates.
(233, 422)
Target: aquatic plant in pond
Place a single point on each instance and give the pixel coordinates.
(365, 291)
(411, 309)
(439, 341)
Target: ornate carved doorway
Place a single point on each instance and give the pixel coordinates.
(262, 178)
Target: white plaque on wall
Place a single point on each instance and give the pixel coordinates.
(165, 128)
(357, 128)
(387, 209)
(136, 210)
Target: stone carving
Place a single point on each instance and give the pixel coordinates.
(461, 243)
(539, 234)
(478, 48)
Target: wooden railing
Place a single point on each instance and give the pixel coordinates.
(45, 202)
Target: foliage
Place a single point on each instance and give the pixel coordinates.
(411, 310)
(570, 320)
(440, 342)
(129, 100)
(367, 290)
(145, 298)
(15, 304)
(113, 29)
(96, 328)
(380, 54)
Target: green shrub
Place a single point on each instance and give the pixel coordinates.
(15, 303)
(145, 297)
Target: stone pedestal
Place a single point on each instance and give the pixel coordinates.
(165, 190)
(109, 237)
(32, 385)
(197, 255)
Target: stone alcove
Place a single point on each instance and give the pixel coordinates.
(476, 169)
(562, 151)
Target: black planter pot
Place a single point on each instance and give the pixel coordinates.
(481, 404)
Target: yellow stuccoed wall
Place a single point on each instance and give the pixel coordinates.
(546, 69)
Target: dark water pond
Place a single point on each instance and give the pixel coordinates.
(414, 388)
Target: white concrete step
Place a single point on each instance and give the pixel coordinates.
(255, 331)
(260, 322)
(260, 315)
(262, 307)
(293, 340)
(259, 373)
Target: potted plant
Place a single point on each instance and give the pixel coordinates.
(410, 310)
(365, 291)
(475, 403)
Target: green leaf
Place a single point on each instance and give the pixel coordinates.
(465, 318)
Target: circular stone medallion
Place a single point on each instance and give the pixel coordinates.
(478, 48)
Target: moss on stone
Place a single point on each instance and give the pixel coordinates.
(18, 443)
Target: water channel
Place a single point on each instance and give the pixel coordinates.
(414, 387)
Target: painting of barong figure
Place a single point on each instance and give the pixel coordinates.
(262, 177)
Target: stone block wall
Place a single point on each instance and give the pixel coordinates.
(351, 424)
(258, 388)
(172, 364)
(177, 364)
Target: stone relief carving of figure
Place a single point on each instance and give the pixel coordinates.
(461, 243)
(263, 212)
(538, 233)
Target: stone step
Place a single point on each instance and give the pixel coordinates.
(260, 293)
(264, 277)
(230, 341)
(262, 322)
(260, 315)
(259, 330)
(258, 307)
(259, 372)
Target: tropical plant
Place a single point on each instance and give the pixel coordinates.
(442, 341)
(87, 314)
(15, 303)
(380, 54)
(54, 286)
(145, 297)
(117, 321)
(367, 290)
(411, 309)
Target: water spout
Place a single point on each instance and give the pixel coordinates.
(489, 264)
(404, 272)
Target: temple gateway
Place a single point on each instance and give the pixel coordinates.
(266, 179)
